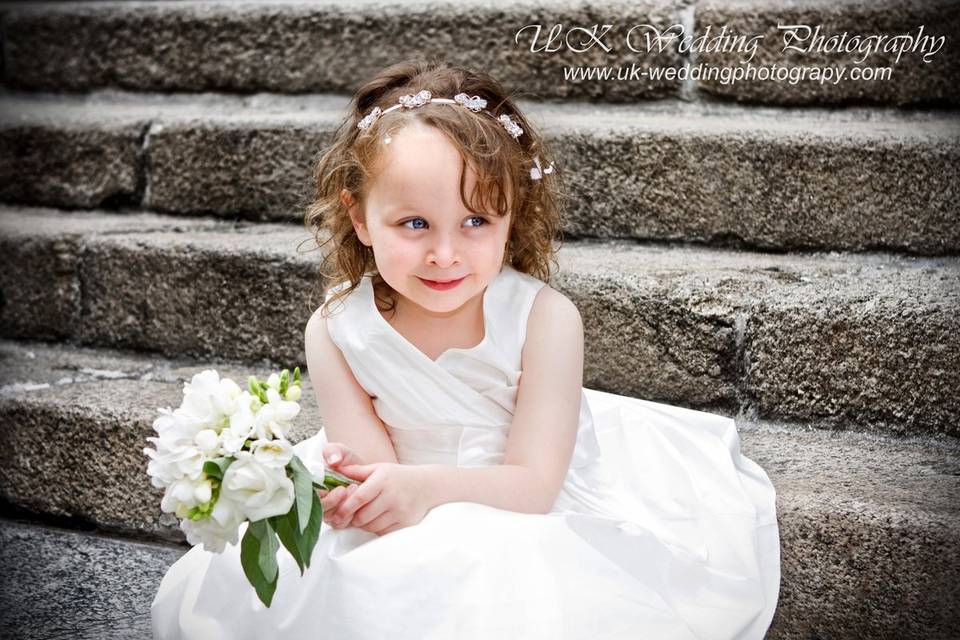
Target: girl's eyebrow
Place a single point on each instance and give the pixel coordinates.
(401, 207)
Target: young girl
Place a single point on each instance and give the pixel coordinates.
(498, 497)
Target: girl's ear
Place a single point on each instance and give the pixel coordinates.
(356, 216)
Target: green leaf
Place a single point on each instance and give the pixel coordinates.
(251, 549)
(302, 490)
(258, 388)
(284, 381)
(268, 551)
(287, 531)
(296, 375)
(310, 535)
(253, 385)
(300, 544)
(216, 467)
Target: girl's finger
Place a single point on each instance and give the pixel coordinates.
(331, 502)
(334, 453)
(380, 523)
(353, 503)
(339, 517)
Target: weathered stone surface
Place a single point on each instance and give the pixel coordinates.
(869, 525)
(59, 583)
(180, 287)
(236, 294)
(915, 79)
(726, 175)
(41, 296)
(333, 46)
(869, 530)
(869, 338)
(856, 345)
(705, 327)
(78, 159)
(759, 177)
(234, 168)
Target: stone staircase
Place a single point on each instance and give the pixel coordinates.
(786, 255)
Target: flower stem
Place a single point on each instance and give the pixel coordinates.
(333, 479)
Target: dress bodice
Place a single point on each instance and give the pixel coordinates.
(458, 408)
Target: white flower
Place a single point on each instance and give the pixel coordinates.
(272, 453)
(421, 98)
(215, 531)
(369, 118)
(273, 419)
(512, 127)
(177, 425)
(538, 171)
(208, 442)
(241, 427)
(261, 491)
(216, 419)
(186, 493)
(475, 103)
(189, 435)
(210, 400)
(176, 454)
(274, 381)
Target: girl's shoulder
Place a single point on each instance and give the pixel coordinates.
(553, 337)
(551, 305)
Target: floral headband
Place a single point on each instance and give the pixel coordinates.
(475, 104)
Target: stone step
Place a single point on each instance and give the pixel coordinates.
(869, 524)
(294, 47)
(825, 339)
(724, 175)
(59, 583)
(825, 33)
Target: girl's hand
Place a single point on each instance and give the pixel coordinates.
(392, 496)
(331, 500)
(335, 456)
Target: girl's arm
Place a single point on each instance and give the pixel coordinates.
(544, 428)
(347, 412)
(507, 486)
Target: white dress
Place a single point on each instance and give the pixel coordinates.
(662, 529)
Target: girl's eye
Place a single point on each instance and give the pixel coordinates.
(482, 220)
(413, 220)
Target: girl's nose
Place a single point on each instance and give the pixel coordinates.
(445, 252)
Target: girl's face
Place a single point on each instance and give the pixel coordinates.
(419, 228)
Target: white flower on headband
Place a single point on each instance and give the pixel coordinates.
(418, 100)
(369, 118)
(538, 171)
(512, 127)
(473, 103)
(476, 103)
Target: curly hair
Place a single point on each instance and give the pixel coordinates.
(502, 165)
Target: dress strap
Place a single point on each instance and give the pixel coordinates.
(510, 312)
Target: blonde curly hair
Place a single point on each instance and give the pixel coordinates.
(502, 165)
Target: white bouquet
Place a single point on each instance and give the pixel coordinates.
(223, 458)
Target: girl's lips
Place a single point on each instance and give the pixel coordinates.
(441, 286)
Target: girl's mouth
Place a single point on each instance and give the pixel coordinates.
(441, 286)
